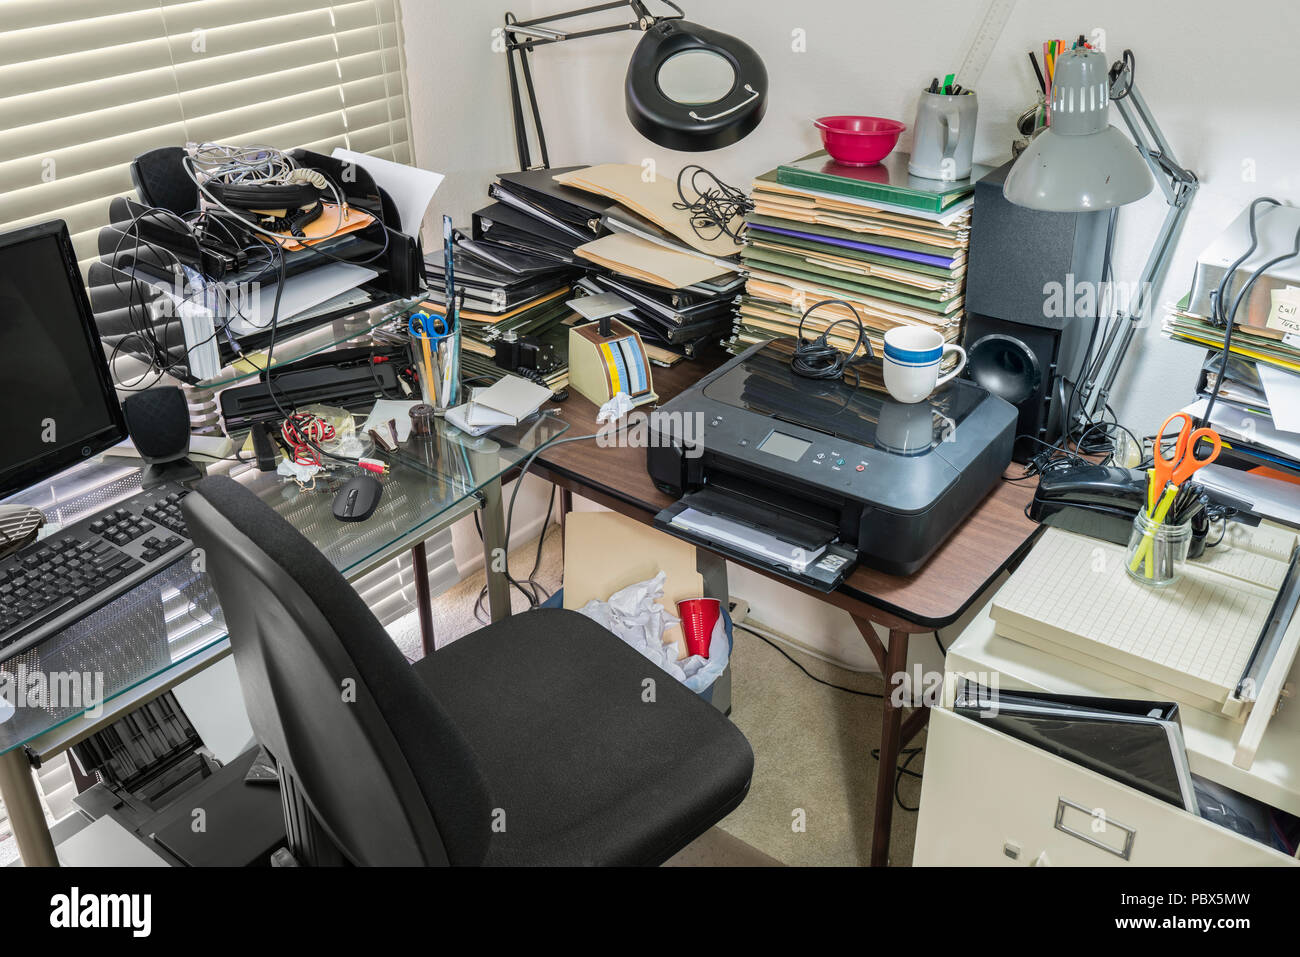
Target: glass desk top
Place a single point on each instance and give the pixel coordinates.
(136, 639)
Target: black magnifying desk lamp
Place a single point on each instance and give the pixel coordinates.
(688, 88)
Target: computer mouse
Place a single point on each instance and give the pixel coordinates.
(357, 501)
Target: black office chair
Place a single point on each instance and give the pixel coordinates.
(530, 741)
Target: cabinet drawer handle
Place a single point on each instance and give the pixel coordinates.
(1130, 833)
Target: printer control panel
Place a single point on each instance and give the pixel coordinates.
(775, 446)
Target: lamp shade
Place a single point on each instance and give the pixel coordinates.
(690, 88)
(1080, 162)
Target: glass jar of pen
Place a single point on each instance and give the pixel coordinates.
(1162, 532)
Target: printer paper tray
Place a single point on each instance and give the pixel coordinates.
(832, 564)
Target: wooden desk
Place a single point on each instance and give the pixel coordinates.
(995, 535)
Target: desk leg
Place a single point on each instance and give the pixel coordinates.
(566, 506)
(893, 663)
(23, 804)
(494, 551)
(424, 603)
(891, 727)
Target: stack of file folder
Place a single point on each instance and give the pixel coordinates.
(891, 244)
(553, 235)
(1257, 411)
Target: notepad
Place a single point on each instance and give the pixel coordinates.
(1191, 640)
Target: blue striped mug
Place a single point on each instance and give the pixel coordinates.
(912, 357)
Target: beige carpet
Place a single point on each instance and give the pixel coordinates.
(812, 744)
(812, 761)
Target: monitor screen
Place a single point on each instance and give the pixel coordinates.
(58, 401)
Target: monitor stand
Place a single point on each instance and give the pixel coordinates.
(177, 470)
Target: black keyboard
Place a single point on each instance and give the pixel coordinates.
(54, 582)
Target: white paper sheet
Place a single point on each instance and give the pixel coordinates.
(386, 409)
(410, 187)
(747, 539)
(302, 292)
(1283, 391)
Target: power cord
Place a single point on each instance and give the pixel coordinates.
(908, 754)
(817, 358)
(715, 205)
(820, 681)
(1227, 318)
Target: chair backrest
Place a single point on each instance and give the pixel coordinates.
(387, 774)
(161, 181)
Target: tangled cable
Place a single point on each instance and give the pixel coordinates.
(305, 432)
(817, 358)
(714, 206)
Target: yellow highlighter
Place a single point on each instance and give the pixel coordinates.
(1145, 551)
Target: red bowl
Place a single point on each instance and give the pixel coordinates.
(859, 140)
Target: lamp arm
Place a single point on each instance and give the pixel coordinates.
(522, 36)
(1179, 186)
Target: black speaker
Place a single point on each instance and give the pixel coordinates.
(1033, 282)
(158, 421)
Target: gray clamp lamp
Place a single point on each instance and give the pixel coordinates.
(713, 94)
(1080, 163)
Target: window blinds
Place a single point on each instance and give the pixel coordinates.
(85, 85)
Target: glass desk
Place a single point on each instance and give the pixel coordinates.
(170, 627)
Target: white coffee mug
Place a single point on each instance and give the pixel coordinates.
(912, 357)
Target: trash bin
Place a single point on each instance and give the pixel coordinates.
(717, 692)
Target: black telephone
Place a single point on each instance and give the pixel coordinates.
(1099, 501)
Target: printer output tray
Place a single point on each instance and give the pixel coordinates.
(829, 561)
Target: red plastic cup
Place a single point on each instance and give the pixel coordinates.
(858, 140)
(698, 616)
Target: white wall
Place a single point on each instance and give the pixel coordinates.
(1210, 72)
(1204, 68)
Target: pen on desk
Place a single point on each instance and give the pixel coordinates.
(934, 86)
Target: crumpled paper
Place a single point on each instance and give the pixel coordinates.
(617, 407)
(292, 470)
(636, 616)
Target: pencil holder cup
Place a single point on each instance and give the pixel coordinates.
(1156, 552)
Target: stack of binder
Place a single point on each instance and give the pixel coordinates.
(892, 245)
(551, 235)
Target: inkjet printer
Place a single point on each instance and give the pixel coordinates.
(808, 476)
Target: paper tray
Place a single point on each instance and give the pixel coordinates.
(824, 573)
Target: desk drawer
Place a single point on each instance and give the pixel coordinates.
(983, 792)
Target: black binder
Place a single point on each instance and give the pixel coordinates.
(579, 209)
(1138, 743)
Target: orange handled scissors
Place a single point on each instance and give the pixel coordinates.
(1179, 467)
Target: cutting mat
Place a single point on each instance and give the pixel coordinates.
(1191, 640)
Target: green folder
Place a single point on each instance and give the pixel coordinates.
(794, 246)
(796, 266)
(887, 181)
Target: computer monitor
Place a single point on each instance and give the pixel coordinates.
(57, 402)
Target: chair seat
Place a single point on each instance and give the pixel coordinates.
(583, 769)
